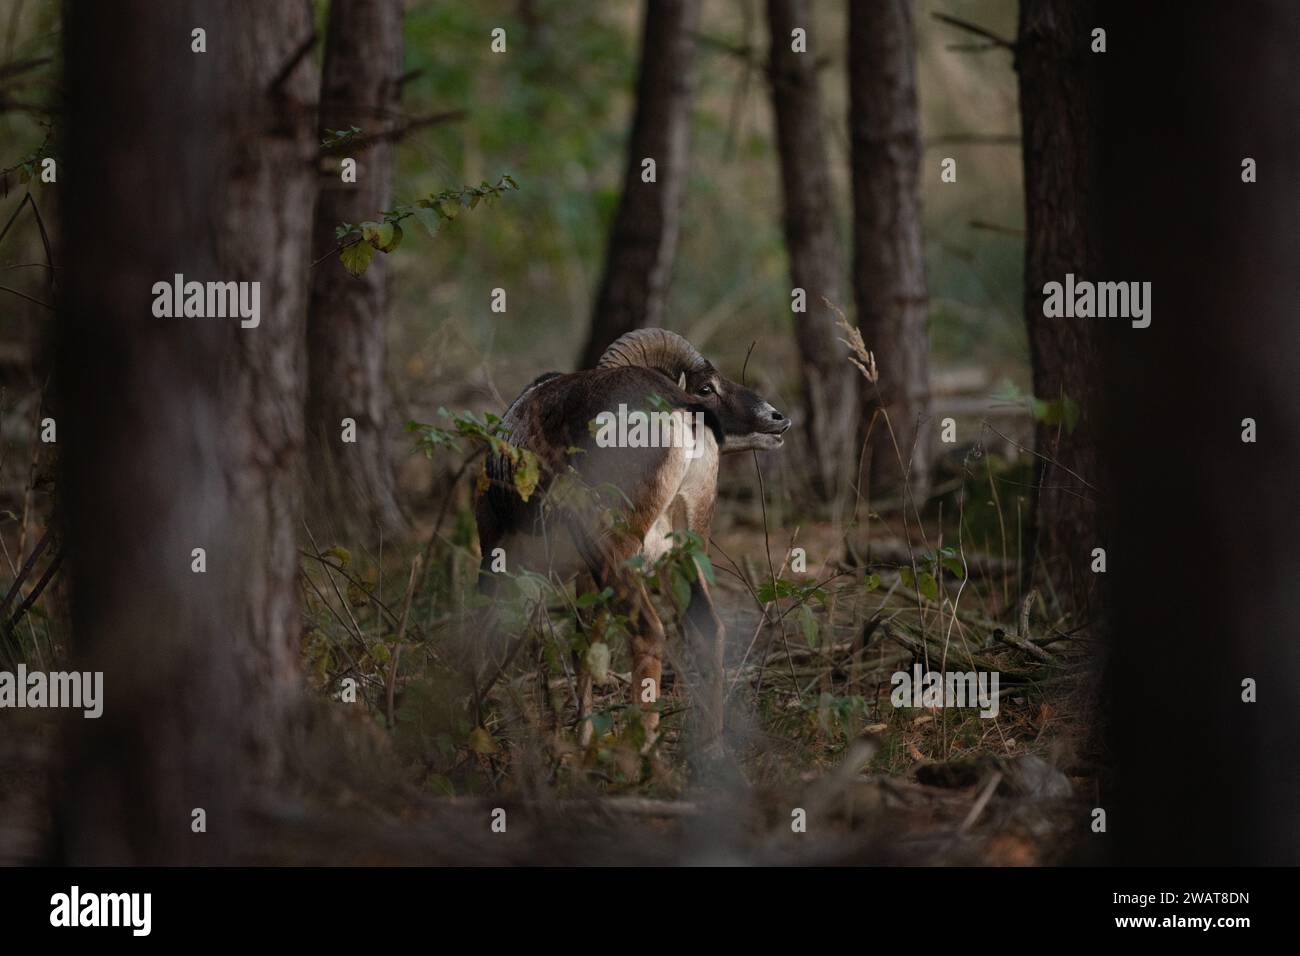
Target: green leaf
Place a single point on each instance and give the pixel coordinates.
(808, 625)
(954, 567)
(378, 234)
(440, 785)
(681, 589)
(907, 577)
(428, 219)
(356, 257)
(394, 237)
(706, 567)
(481, 742)
(593, 597)
(872, 582)
(340, 554)
(929, 586)
(1060, 411)
(601, 723)
(769, 591)
(527, 474)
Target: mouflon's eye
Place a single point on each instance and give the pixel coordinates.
(706, 389)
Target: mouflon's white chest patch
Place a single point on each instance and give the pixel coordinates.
(688, 481)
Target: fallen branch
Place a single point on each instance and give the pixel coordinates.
(965, 659)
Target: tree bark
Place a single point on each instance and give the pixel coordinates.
(1203, 561)
(265, 235)
(353, 482)
(643, 243)
(888, 266)
(180, 433)
(828, 381)
(1057, 115)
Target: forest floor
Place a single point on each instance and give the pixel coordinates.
(818, 765)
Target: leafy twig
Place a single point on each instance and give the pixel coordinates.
(357, 243)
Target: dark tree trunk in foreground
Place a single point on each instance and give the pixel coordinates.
(827, 380)
(644, 239)
(888, 267)
(346, 328)
(181, 433)
(141, 415)
(1203, 560)
(1057, 110)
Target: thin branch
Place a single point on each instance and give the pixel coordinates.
(741, 51)
(994, 227)
(979, 31)
(401, 634)
(1047, 458)
(336, 250)
(22, 575)
(22, 66)
(975, 139)
(410, 75)
(291, 64)
(24, 295)
(422, 122)
(359, 143)
(31, 599)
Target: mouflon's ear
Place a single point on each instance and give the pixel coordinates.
(681, 382)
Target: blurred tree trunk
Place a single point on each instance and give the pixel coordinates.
(888, 266)
(644, 238)
(1057, 110)
(347, 321)
(828, 381)
(1192, 91)
(181, 433)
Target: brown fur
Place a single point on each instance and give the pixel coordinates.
(568, 527)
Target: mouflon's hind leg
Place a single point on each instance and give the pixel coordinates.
(706, 635)
(647, 663)
(606, 556)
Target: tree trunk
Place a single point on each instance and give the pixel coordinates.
(180, 433)
(827, 380)
(1059, 136)
(265, 235)
(888, 267)
(346, 327)
(644, 239)
(1203, 561)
